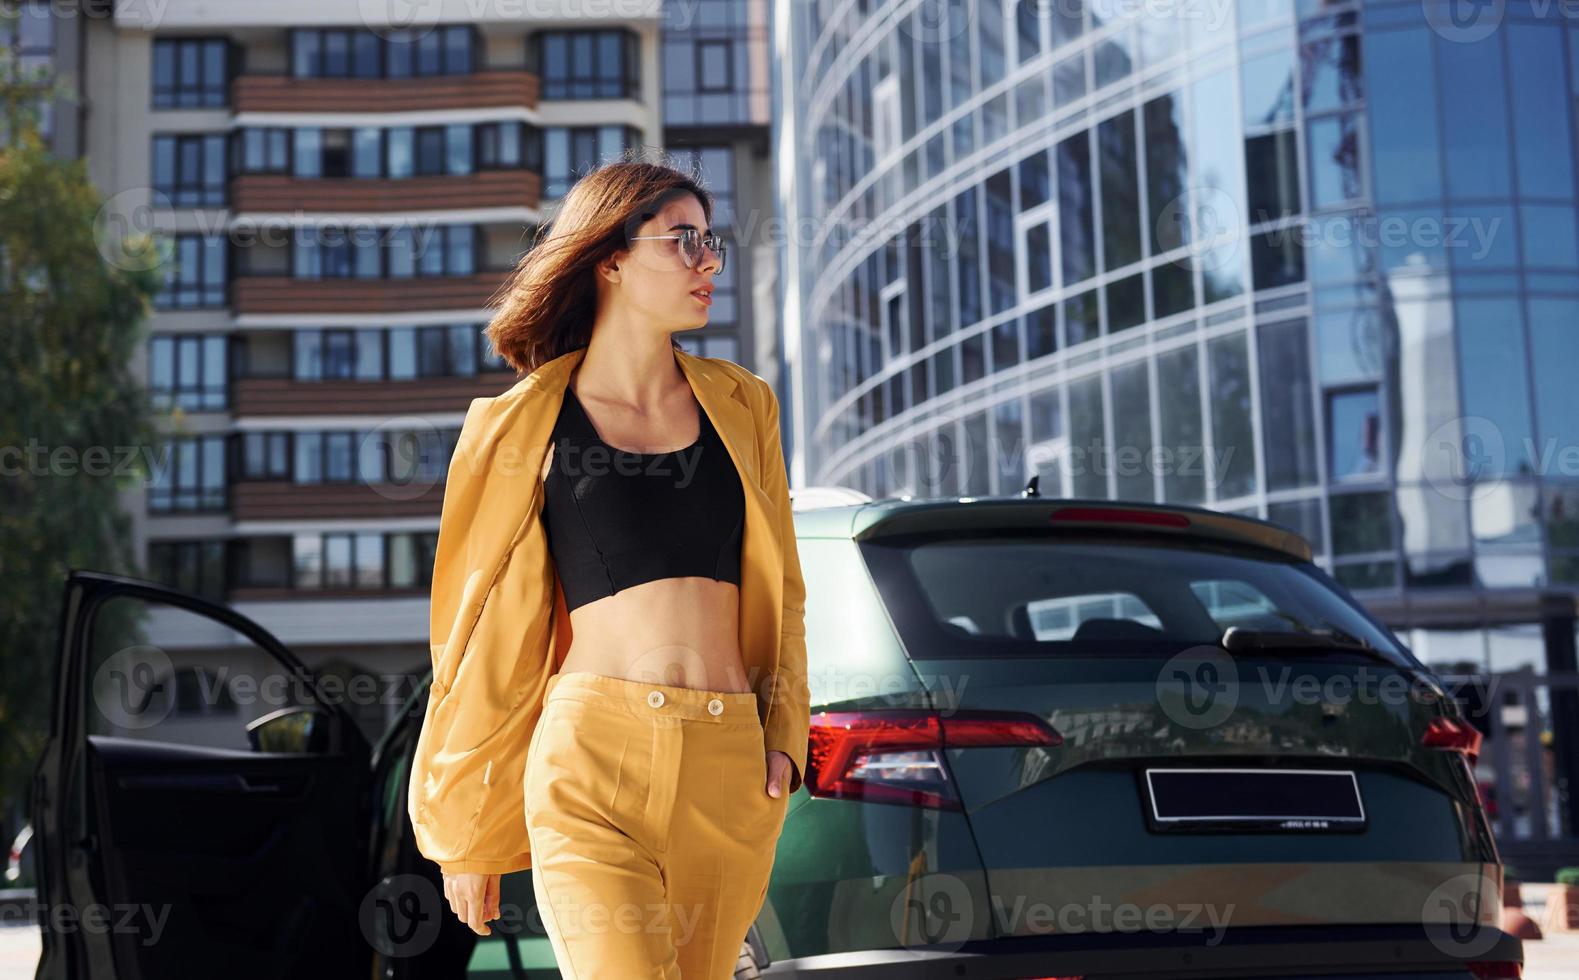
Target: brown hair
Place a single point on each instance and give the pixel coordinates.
(550, 299)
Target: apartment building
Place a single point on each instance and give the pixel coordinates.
(343, 195)
(37, 45)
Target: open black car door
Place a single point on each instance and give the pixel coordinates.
(201, 806)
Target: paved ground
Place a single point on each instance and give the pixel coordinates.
(1553, 958)
(19, 948)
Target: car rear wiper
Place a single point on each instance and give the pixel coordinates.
(1236, 639)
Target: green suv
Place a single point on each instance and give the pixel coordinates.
(1050, 738)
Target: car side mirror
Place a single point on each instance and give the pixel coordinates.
(301, 729)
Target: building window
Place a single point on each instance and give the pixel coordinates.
(340, 561)
(195, 273)
(509, 145)
(365, 560)
(188, 371)
(344, 53)
(1354, 434)
(191, 72)
(411, 558)
(447, 350)
(194, 567)
(189, 476)
(375, 253)
(395, 152)
(705, 46)
(27, 49)
(263, 456)
(370, 458)
(338, 355)
(571, 151)
(715, 70)
(596, 64)
(323, 153)
(261, 150)
(189, 170)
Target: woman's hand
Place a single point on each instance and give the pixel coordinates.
(474, 898)
(779, 764)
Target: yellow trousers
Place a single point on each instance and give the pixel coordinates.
(651, 830)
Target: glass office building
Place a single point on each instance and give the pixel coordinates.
(1310, 262)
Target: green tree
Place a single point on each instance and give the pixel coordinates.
(75, 424)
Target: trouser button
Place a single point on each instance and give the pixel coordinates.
(655, 699)
(715, 706)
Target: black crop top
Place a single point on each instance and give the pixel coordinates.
(616, 518)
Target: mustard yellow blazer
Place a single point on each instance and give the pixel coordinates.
(499, 626)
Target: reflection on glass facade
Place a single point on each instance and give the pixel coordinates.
(1314, 262)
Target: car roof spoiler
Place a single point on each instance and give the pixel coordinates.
(890, 518)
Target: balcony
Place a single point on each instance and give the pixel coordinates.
(479, 90)
(286, 294)
(258, 397)
(486, 189)
(262, 500)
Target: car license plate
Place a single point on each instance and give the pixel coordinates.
(1253, 799)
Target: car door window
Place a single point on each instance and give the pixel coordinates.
(162, 672)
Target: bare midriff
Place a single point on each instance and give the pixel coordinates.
(683, 632)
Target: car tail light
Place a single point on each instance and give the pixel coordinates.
(1453, 735)
(897, 756)
(1496, 970)
(1119, 515)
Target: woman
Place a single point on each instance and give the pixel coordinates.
(619, 695)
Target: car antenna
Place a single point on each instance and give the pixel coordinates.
(1030, 488)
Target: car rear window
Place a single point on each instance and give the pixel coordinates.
(1008, 594)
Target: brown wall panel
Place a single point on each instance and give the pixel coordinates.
(285, 294)
(485, 89)
(254, 397)
(274, 501)
(486, 189)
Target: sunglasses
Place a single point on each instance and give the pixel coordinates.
(691, 242)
